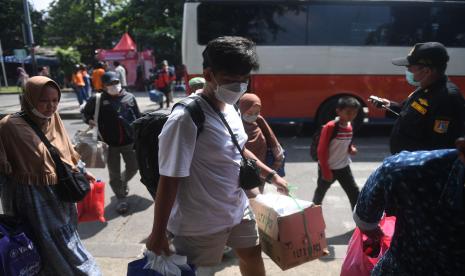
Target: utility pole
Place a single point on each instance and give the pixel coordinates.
(3, 65)
(30, 36)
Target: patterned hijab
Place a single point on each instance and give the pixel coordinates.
(23, 156)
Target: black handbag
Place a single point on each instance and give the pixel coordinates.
(249, 174)
(72, 185)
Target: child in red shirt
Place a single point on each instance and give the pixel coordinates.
(334, 154)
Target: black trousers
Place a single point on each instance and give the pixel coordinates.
(345, 178)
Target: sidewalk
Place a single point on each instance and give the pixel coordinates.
(321, 267)
(69, 107)
(120, 240)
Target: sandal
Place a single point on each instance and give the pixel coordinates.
(122, 207)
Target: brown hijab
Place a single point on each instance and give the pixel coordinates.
(23, 156)
(261, 137)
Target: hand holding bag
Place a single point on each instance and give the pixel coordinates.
(92, 207)
(357, 262)
(93, 152)
(72, 185)
(249, 175)
(154, 265)
(18, 255)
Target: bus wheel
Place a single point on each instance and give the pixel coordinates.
(327, 112)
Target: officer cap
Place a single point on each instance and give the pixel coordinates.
(428, 54)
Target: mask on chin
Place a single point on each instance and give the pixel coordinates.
(114, 89)
(230, 93)
(40, 115)
(249, 118)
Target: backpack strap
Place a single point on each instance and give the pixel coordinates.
(192, 105)
(335, 130)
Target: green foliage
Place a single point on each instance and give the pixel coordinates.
(93, 24)
(11, 22)
(68, 58)
(154, 24)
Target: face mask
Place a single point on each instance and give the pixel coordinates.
(114, 89)
(249, 118)
(231, 92)
(40, 115)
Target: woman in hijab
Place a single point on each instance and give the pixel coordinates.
(261, 137)
(27, 173)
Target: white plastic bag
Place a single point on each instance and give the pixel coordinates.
(166, 265)
(283, 205)
(93, 152)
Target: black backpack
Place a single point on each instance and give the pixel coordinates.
(146, 131)
(316, 140)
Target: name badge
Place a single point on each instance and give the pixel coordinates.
(418, 107)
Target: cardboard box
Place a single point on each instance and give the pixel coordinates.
(292, 239)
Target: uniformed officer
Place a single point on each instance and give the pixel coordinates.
(433, 116)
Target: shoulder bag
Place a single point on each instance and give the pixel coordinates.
(249, 175)
(72, 185)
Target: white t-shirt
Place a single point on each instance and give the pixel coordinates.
(121, 75)
(209, 198)
(339, 156)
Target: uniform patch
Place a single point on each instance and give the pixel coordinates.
(423, 101)
(418, 107)
(441, 126)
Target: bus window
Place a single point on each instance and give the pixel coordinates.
(358, 23)
(270, 24)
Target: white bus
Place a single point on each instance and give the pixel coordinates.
(312, 52)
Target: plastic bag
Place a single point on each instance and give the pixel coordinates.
(283, 205)
(154, 265)
(18, 255)
(93, 152)
(356, 262)
(92, 207)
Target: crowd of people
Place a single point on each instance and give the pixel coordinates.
(200, 206)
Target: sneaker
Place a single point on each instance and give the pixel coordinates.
(122, 207)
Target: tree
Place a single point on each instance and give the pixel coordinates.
(68, 58)
(12, 21)
(154, 24)
(78, 23)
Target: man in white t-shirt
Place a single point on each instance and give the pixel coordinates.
(119, 69)
(199, 203)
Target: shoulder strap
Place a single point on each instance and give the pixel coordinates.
(335, 130)
(233, 137)
(53, 151)
(195, 110)
(98, 96)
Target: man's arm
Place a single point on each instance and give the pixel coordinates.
(278, 181)
(371, 201)
(166, 194)
(89, 110)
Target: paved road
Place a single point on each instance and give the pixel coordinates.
(120, 239)
(122, 236)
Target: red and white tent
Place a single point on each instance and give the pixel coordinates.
(126, 53)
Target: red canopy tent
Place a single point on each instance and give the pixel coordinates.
(126, 53)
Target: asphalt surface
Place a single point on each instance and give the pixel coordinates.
(120, 239)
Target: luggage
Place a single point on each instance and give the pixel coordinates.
(156, 96)
(93, 152)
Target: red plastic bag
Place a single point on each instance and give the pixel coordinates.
(92, 207)
(356, 262)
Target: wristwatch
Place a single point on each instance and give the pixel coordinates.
(270, 176)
